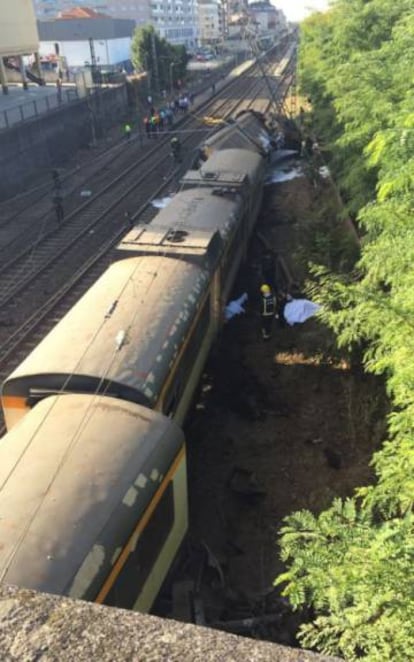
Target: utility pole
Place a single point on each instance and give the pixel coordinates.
(251, 37)
(156, 78)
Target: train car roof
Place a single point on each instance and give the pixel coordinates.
(227, 167)
(196, 223)
(246, 132)
(124, 333)
(76, 475)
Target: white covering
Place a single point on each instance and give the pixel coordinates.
(299, 310)
(161, 203)
(235, 307)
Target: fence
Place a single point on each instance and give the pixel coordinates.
(36, 107)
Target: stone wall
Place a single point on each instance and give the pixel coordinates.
(37, 627)
(35, 146)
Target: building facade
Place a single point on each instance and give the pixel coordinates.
(96, 40)
(210, 22)
(174, 20)
(266, 17)
(18, 30)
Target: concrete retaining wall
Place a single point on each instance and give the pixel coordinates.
(38, 145)
(43, 628)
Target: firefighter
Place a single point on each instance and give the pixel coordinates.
(267, 310)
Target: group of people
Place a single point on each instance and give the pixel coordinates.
(158, 120)
(163, 118)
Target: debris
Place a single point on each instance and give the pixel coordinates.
(212, 562)
(314, 441)
(182, 592)
(324, 172)
(333, 458)
(246, 623)
(199, 612)
(244, 482)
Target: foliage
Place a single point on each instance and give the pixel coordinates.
(357, 574)
(164, 62)
(353, 564)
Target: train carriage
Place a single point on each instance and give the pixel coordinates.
(141, 333)
(237, 169)
(247, 132)
(93, 500)
(216, 241)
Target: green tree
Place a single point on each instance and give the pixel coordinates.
(163, 61)
(353, 564)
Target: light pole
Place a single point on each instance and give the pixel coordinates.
(172, 65)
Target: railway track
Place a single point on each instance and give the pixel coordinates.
(45, 280)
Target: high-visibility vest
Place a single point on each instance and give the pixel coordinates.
(268, 305)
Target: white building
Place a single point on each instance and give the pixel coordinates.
(98, 39)
(210, 22)
(174, 20)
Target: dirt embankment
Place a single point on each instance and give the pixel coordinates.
(280, 425)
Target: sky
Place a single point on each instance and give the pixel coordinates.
(296, 10)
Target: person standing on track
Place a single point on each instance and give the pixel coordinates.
(127, 131)
(176, 149)
(57, 203)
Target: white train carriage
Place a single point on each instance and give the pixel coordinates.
(141, 333)
(93, 500)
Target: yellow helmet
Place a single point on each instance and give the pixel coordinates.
(265, 289)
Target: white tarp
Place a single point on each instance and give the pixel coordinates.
(235, 307)
(161, 203)
(299, 310)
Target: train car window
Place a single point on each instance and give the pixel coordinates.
(186, 364)
(130, 581)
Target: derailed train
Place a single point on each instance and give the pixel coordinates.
(93, 497)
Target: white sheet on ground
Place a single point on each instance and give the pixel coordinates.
(160, 203)
(235, 307)
(299, 310)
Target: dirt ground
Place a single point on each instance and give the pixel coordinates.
(279, 426)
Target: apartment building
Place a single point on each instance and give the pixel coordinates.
(210, 22)
(174, 20)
